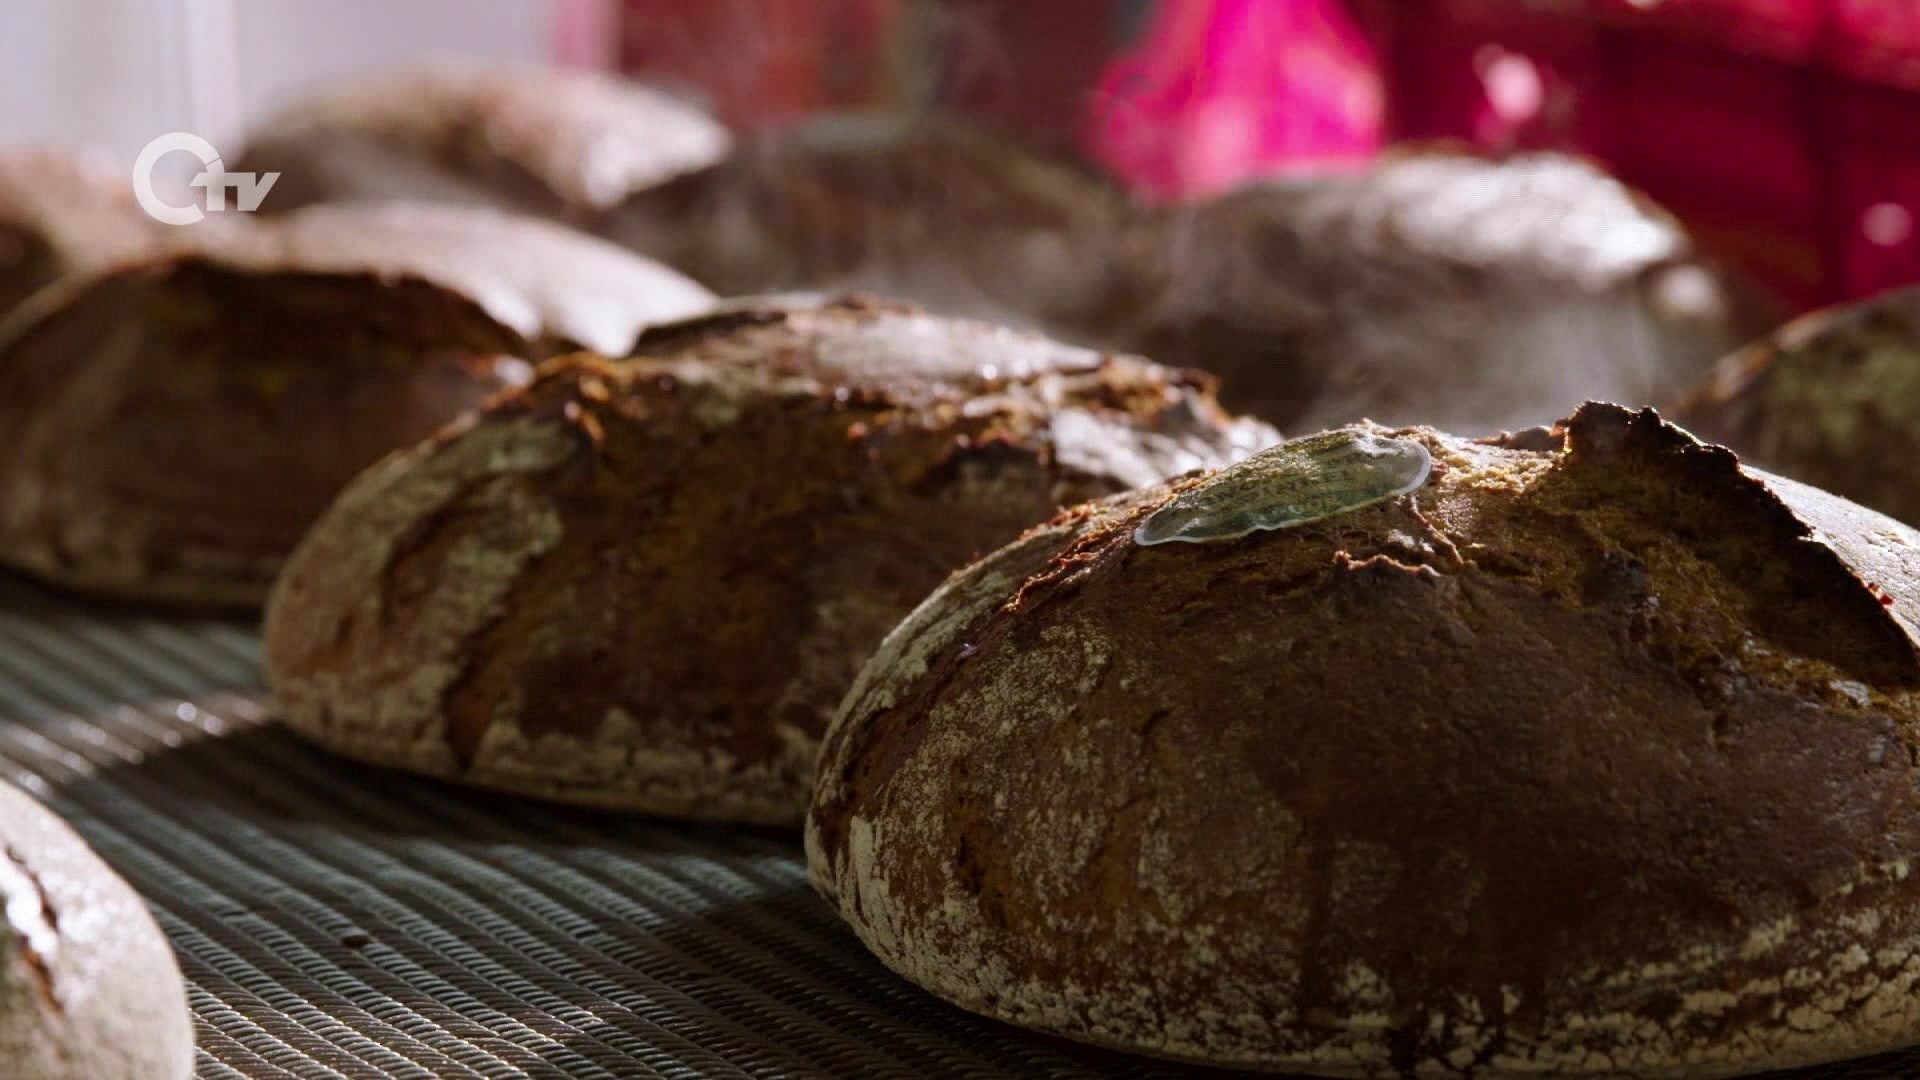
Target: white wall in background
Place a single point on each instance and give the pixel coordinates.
(116, 73)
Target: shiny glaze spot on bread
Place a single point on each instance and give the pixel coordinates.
(1300, 480)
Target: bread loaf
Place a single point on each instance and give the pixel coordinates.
(563, 144)
(1832, 399)
(173, 426)
(61, 214)
(645, 584)
(960, 218)
(88, 986)
(1438, 288)
(1594, 755)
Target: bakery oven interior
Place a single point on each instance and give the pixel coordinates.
(606, 538)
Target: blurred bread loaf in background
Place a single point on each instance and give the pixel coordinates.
(1437, 288)
(557, 143)
(951, 214)
(175, 424)
(62, 213)
(1832, 398)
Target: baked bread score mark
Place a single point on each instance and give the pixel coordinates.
(29, 915)
(1300, 480)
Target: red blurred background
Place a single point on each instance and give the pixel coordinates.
(1785, 132)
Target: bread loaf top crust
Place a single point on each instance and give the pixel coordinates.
(1595, 754)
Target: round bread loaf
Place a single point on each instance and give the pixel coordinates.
(60, 214)
(554, 143)
(173, 426)
(645, 584)
(1594, 755)
(88, 985)
(1439, 288)
(962, 219)
(1832, 399)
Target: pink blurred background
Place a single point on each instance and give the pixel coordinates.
(1785, 132)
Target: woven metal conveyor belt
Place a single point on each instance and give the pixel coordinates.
(334, 920)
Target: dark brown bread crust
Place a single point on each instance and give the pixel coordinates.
(1594, 762)
(645, 584)
(932, 209)
(1438, 288)
(1832, 399)
(562, 144)
(174, 426)
(61, 214)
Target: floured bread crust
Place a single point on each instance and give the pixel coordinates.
(644, 584)
(88, 985)
(1594, 756)
(174, 425)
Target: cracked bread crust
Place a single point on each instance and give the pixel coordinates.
(88, 984)
(645, 584)
(1595, 756)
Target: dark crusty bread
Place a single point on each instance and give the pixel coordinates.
(88, 985)
(1832, 399)
(1438, 288)
(173, 426)
(548, 142)
(929, 208)
(1584, 761)
(60, 214)
(645, 584)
